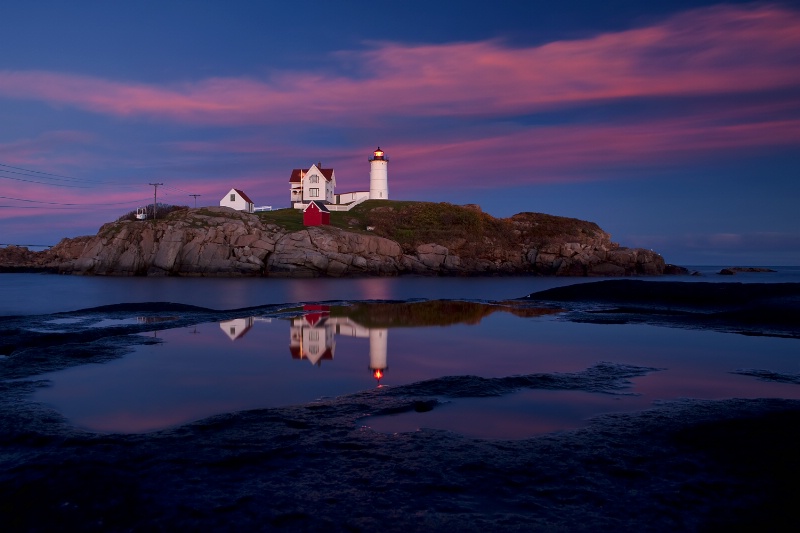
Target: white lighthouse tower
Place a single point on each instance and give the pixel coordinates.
(378, 176)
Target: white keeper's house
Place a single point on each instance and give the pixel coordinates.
(318, 184)
(312, 184)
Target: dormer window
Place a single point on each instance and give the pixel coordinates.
(313, 178)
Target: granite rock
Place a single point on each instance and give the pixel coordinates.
(218, 241)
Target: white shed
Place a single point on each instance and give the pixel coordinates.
(237, 199)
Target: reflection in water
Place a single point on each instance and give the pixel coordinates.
(313, 334)
(195, 371)
(313, 337)
(238, 327)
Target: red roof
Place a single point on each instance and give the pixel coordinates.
(244, 196)
(298, 173)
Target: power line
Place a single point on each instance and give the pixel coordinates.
(49, 208)
(46, 173)
(176, 189)
(70, 204)
(25, 172)
(39, 175)
(48, 184)
(108, 184)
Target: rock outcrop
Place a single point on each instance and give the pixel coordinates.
(735, 270)
(218, 241)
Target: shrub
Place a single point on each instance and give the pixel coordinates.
(162, 210)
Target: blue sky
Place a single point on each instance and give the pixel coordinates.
(674, 126)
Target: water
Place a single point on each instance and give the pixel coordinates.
(33, 294)
(260, 360)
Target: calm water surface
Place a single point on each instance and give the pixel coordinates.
(33, 294)
(258, 361)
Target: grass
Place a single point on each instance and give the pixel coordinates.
(289, 218)
(466, 229)
(414, 223)
(355, 220)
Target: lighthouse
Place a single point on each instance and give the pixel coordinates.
(378, 176)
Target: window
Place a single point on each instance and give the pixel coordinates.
(313, 335)
(233, 197)
(313, 192)
(313, 179)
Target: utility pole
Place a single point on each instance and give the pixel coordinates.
(195, 199)
(155, 203)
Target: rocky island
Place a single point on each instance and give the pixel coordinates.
(384, 238)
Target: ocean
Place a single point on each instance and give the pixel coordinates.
(389, 404)
(259, 356)
(33, 294)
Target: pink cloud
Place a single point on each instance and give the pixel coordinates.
(716, 51)
(514, 155)
(51, 150)
(566, 153)
(719, 50)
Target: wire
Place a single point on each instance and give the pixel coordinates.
(61, 203)
(42, 183)
(94, 185)
(49, 208)
(176, 189)
(58, 177)
(47, 174)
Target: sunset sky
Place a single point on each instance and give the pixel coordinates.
(673, 125)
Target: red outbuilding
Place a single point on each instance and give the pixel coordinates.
(316, 214)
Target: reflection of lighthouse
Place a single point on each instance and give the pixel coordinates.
(313, 338)
(378, 176)
(377, 352)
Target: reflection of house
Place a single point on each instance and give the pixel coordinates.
(313, 337)
(236, 199)
(236, 328)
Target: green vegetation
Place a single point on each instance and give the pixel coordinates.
(289, 218)
(543, 228)
(415, 223)
(433, 313)
(465, 228)
(355, 220)
(162, 210)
